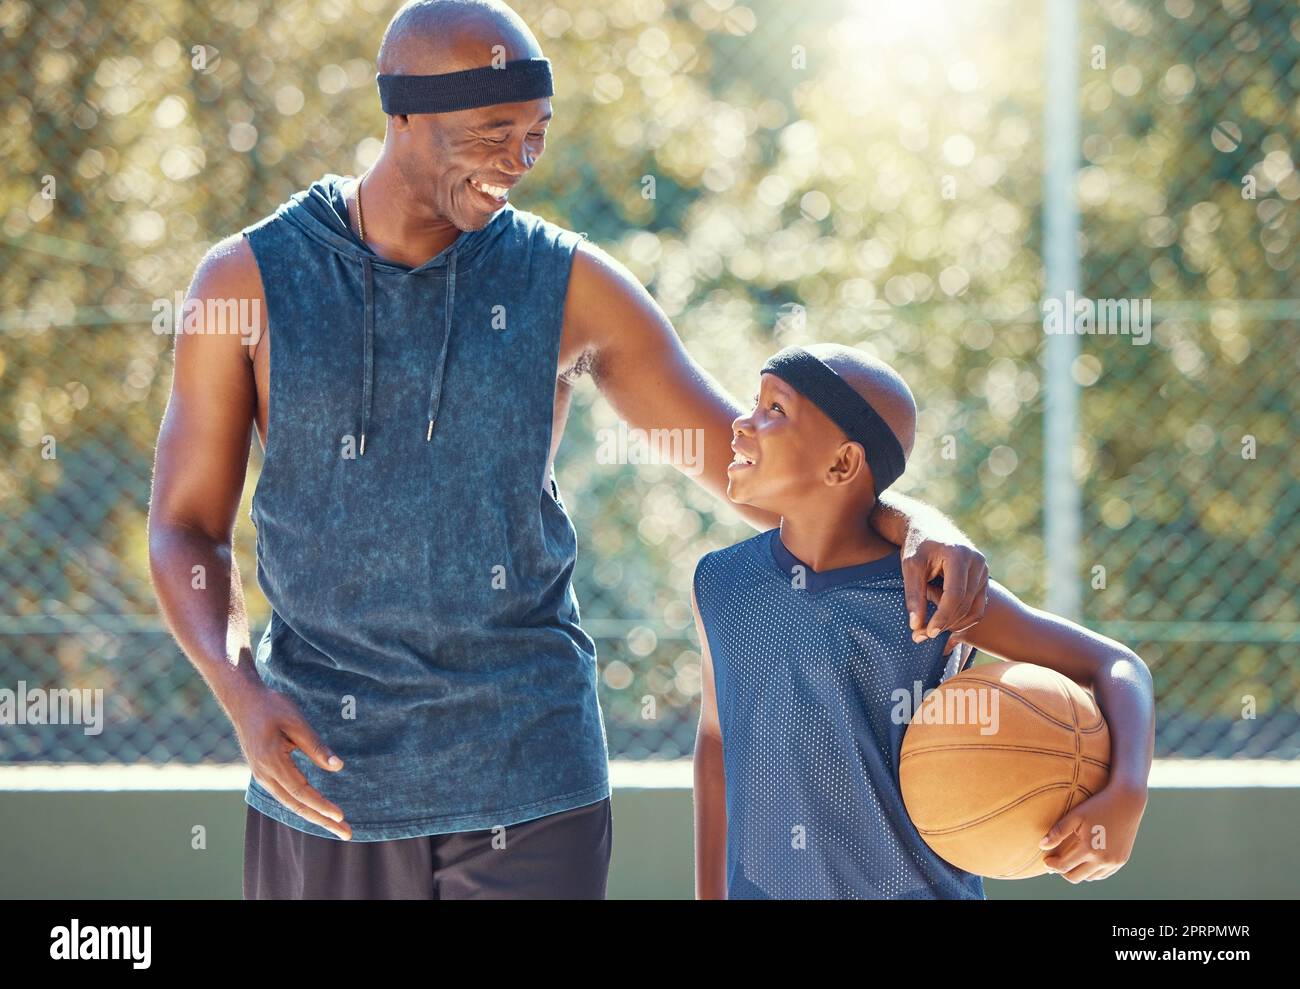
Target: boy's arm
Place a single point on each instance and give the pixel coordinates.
(1095, 839)
(710, 794)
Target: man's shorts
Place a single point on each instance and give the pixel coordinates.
(562, 856)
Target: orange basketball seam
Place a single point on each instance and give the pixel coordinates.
(1012, 692)
(1029, 861)
(1078, 752)
(966, 747)
(1037, 852)
(992, 814)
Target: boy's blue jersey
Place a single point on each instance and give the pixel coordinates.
(816, 678)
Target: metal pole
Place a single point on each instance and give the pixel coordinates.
(1062, 527)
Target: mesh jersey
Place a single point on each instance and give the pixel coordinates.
(816, 678)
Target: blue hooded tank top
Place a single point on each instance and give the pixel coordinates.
(806, 669)
(416, 553)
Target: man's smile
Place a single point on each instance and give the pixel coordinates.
(496, 193)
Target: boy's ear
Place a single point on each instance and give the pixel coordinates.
(850, 464)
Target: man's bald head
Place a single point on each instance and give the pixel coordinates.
(878, 383)
(430, 37)
(456, 167)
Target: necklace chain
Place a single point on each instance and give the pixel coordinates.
(361, 220)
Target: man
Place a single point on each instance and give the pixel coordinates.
(424, 690)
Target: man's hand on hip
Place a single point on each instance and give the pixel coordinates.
(270, 727)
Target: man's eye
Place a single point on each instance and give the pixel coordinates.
(502, 140)
(777, 407)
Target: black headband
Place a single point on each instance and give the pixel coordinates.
(515, 82)
(818, 382)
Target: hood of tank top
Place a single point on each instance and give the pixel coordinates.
(320, 212)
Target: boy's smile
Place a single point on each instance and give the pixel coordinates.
(743, 459)
(770, 446)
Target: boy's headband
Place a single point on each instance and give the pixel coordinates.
(818, 382)
(515, 82)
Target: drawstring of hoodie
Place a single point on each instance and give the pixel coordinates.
(368, 368)
(435, 392)
(368, 372)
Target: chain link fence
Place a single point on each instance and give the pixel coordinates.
(866, 172)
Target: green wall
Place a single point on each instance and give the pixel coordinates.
(1194, 843)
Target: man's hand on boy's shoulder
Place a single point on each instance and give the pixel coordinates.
(952, 573)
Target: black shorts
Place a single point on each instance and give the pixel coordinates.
(562, 856)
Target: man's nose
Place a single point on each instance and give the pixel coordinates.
(740, 425)
(519, 161)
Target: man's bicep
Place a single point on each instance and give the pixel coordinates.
(640, 365)
(636, 357)
(204, 441)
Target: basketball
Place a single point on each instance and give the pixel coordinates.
(995, 756)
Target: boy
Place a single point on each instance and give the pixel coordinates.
(804, 639)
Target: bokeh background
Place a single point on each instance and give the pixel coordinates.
(864, 172)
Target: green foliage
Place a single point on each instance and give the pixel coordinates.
(868, 173)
